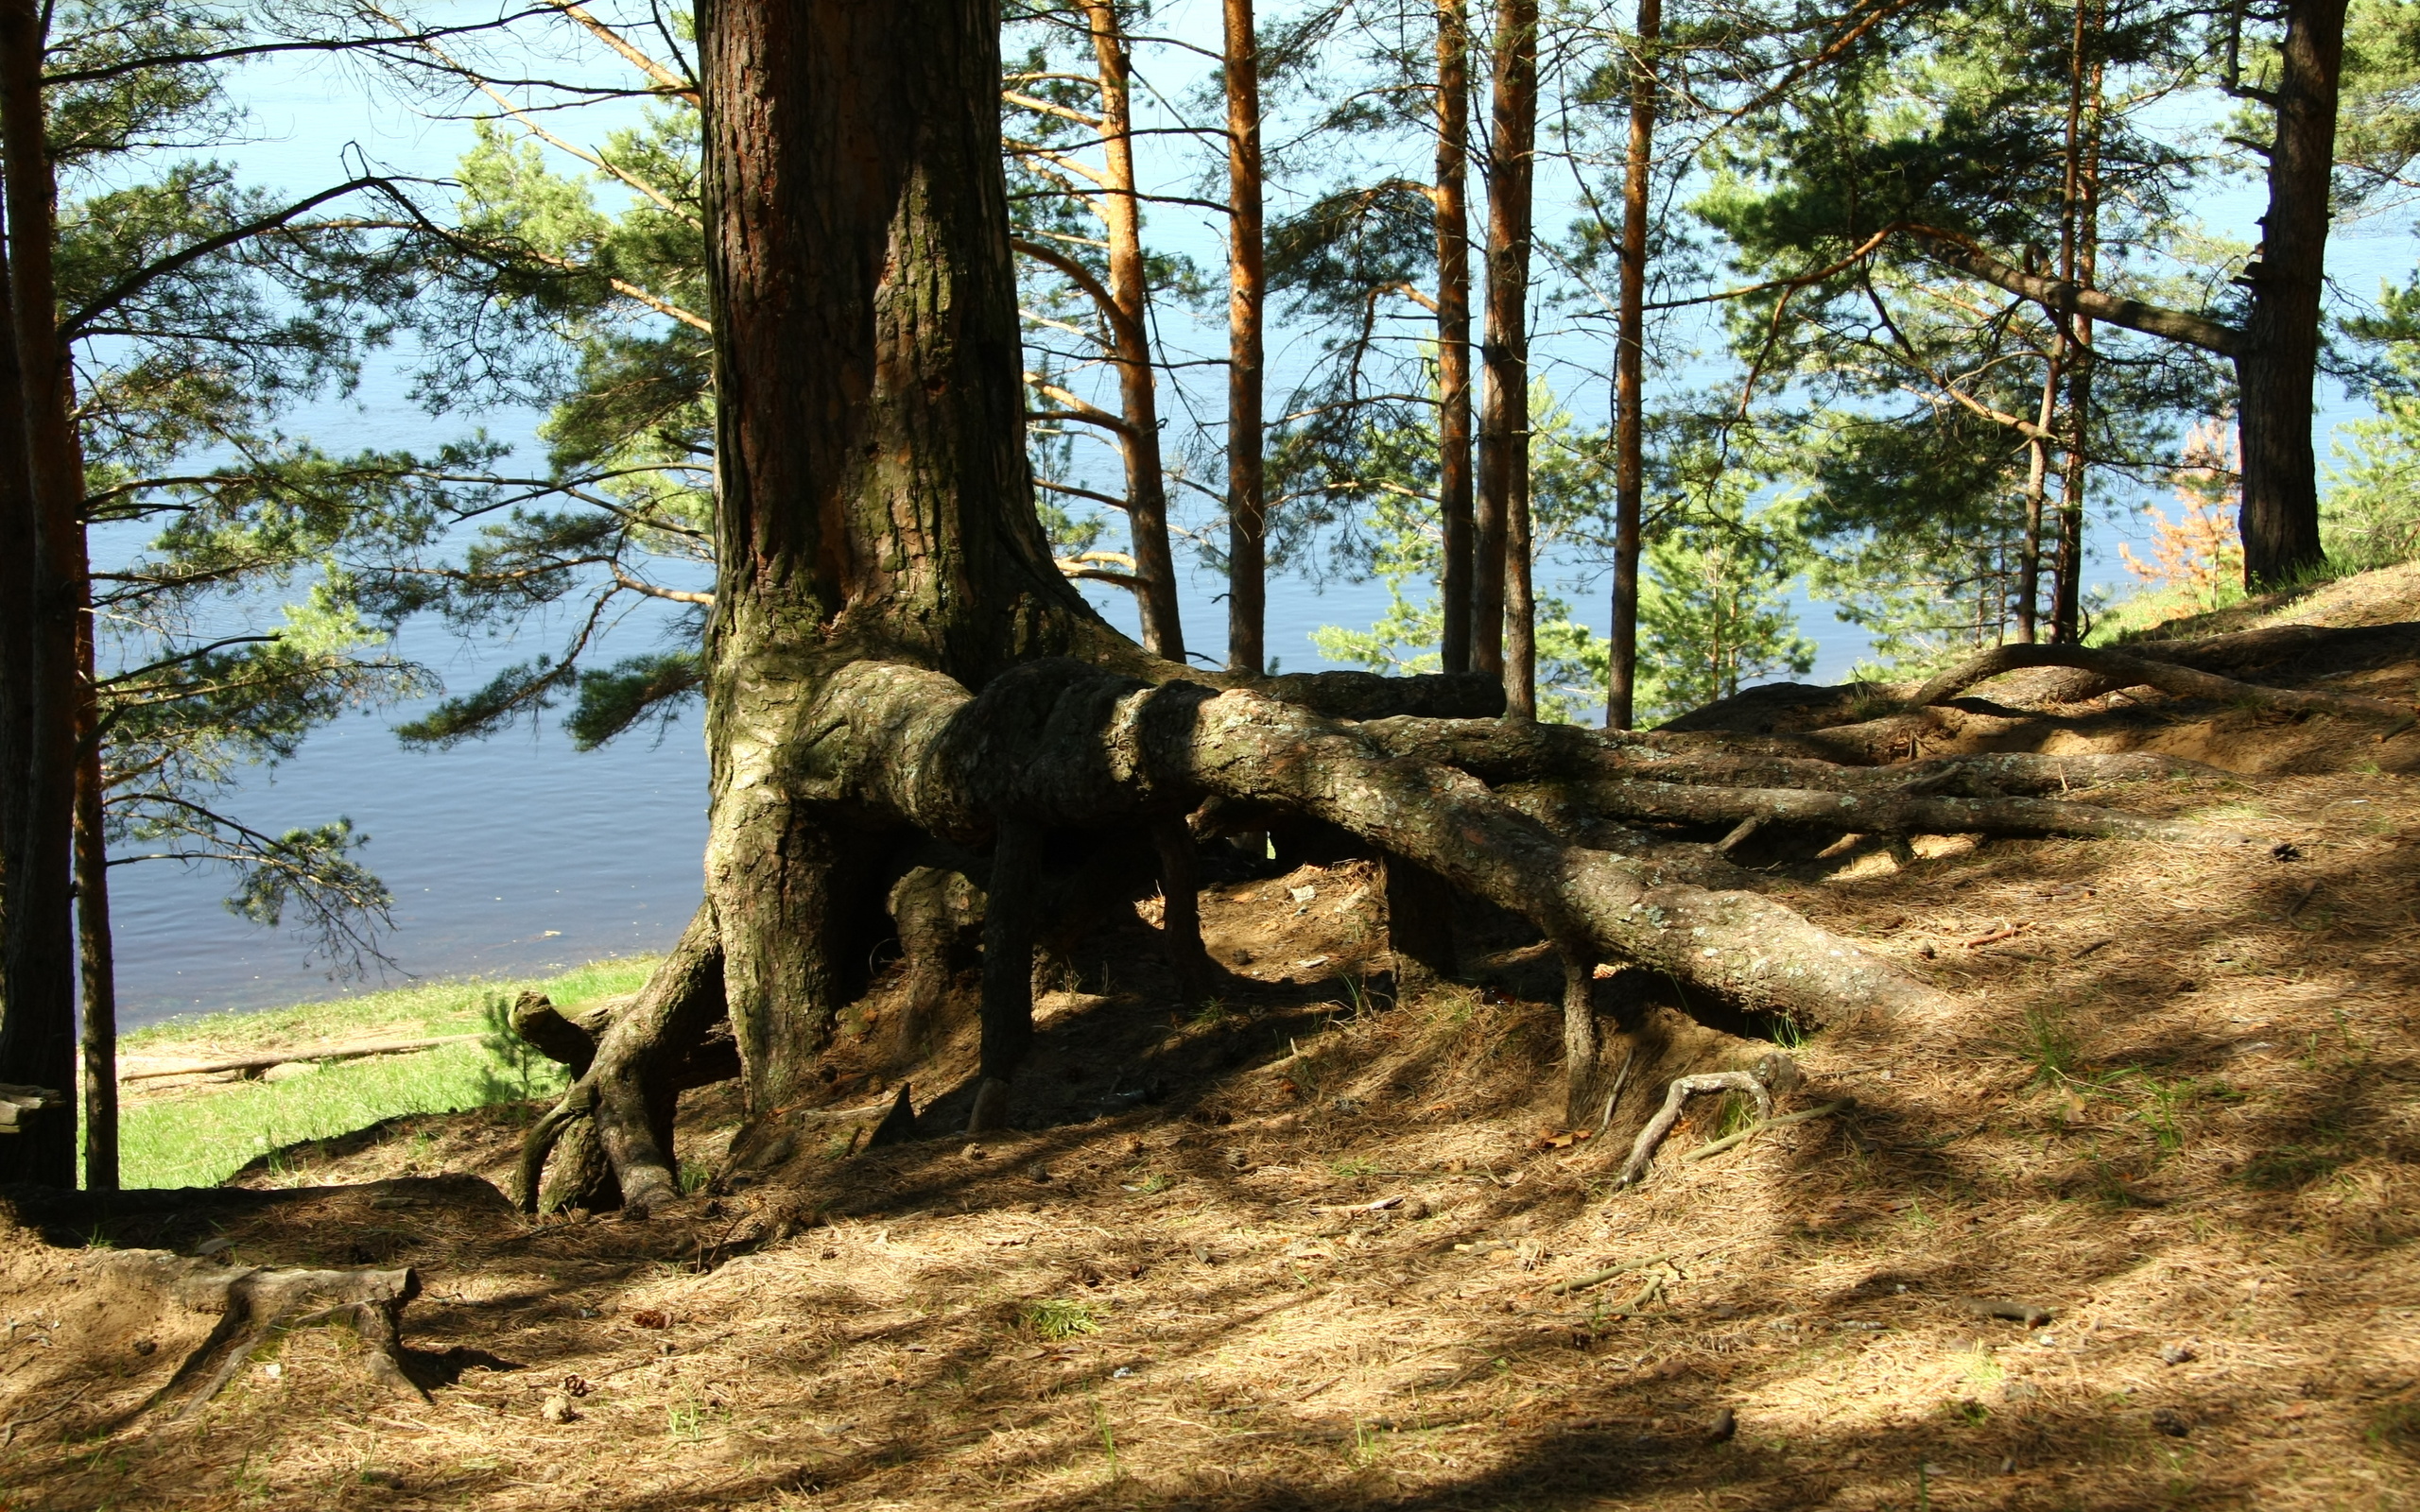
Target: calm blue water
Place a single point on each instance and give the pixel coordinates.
(519, 855)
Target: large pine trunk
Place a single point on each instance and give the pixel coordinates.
(1147, 494)
(875, 498)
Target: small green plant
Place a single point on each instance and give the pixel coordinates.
(1738, 1113)
(681, 1419)
(1212, 1013)
(2167, 1100)
(501, 1041)
(1055, 1319)
(1157, 1181)
(695, 1175)
(1108, 1439)
(1982, 1368)
(1353, 1165)
(2047, 1042)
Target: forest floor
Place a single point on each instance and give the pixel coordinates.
(1300, 1247)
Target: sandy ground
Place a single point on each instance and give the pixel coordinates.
(1301, 1249)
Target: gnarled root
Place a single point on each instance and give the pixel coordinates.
(1059, 743)
(1007, 969)
(1773, 1072)
(650, 1052)
(2180, 681)
(254, 1301)
(1578, 1036)
(1880, 812)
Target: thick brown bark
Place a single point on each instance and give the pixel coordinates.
(1454, 332)
(1504, 399)
(875, 491)
(1628, 366)
(37, 1035)
(1495, 754)
(1878, 813)
(2037, 468)
(1146, 498)
(1247, 498)
(1578, 1036)
(2279, 366)
(20, 664)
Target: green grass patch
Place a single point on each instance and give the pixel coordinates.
(202, 1137)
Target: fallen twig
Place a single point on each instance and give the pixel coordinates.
(1597, 1278)
(2004, 932)
(1718, 1147)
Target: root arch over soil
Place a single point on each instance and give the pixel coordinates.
(1060, 786)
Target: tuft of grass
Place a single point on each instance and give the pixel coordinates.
(202, 1137)
(2046, 1040)
(1056, 1318)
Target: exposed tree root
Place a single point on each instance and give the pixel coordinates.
(1059, 742)
(653, 1050)
(1578, 1036)
(252, 1302)
(1499, 753)
(1884, 813)
(2168, 677)
(1419, 924)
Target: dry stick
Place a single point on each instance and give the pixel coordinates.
(2183, 683)
(265, 1063)
(1718, 1147)
(1621, 1078)
(1593, 1277)
(1678, 1093)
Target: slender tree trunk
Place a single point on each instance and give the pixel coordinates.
(1247, 500)
(1146, 498)
(1453, 331)
(2078, 222)
(2279, 364)
(1504, 402)
(2037, 468)
(95, 951)
(38, 1038)
(1628, 368)
(20, 631)
(875, 493)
